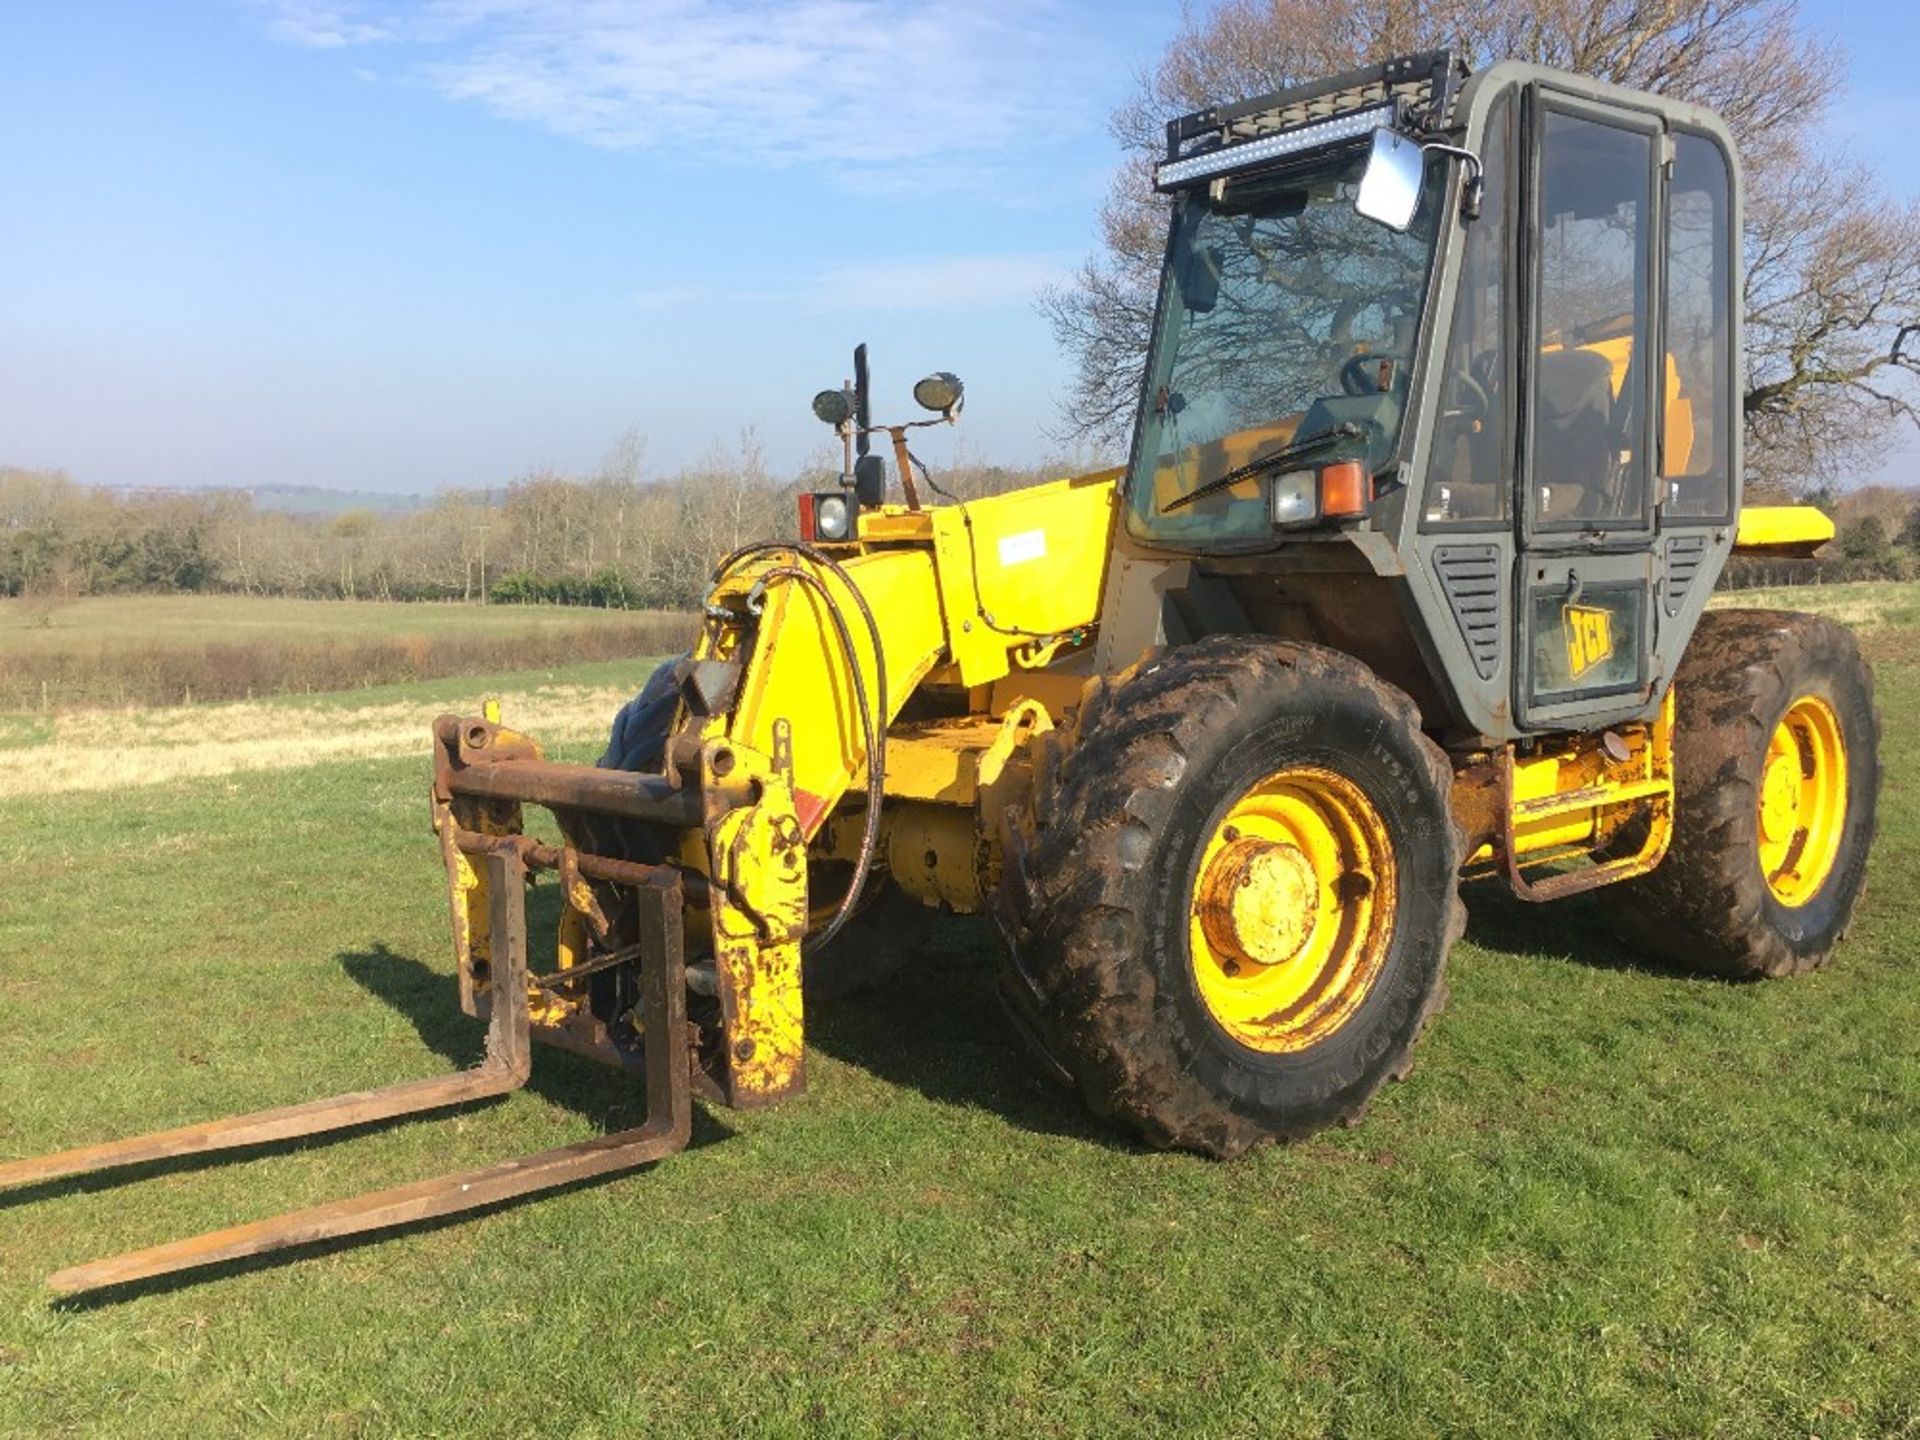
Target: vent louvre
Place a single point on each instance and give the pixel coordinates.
(1685, 555)
(1474, 582)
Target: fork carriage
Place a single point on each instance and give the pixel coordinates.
(745, 925)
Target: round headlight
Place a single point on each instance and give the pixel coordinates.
(832, 406)
(831, 518)
(940, 391)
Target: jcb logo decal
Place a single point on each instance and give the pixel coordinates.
(1589, 637)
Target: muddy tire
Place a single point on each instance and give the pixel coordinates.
(1748, 890)
(1104, 899)
(638, 739)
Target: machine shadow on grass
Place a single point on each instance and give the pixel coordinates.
(1574, 930)
(937, 1027)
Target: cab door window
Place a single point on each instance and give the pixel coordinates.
(1471, 471)
(1697, 391)
(1590, 446)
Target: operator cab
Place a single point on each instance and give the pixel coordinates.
(1487, 444)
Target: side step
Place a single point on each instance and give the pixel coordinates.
(508, 1063)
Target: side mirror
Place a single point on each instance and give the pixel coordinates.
(1390, 185)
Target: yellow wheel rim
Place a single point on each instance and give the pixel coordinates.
(1803, 801)
(1293, 905)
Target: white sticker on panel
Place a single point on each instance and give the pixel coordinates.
(1027, 545)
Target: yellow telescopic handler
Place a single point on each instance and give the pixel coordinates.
(1436, 462)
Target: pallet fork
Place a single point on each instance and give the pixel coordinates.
(476, 805)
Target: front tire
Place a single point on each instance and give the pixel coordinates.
(1776, 785)
(1230, 903)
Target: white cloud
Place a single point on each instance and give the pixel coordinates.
(954, 282)
(322, 26)
(889, 93)
(961, 282)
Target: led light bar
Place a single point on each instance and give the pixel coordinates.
(1173, 174)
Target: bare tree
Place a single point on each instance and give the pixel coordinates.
(1832, 289)
(1833, 264)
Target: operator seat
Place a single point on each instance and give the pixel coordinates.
(1574, 433)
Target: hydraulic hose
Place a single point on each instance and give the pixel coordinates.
(873, 735)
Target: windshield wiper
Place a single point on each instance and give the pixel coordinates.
(1271, 461)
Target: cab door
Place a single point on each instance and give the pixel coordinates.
(1587, 479)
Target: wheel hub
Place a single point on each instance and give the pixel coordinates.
(1802, 801)
(1780, 797)
(1259, 902)
(1292, 909)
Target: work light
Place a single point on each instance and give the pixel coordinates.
(826, 517)
(1296, 497)
(1175, 173)
(832, 407)
(941, 392)
(831, 517)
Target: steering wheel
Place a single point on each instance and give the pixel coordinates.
(1360, 374)
(1478, 403)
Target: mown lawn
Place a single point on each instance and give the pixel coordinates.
(1612, 1200)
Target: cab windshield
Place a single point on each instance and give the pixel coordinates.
(1285, 316)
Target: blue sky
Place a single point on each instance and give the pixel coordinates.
(396, 247)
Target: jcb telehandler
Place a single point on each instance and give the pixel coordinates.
(1437, 459)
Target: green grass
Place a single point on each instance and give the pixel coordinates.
(1865, 604)
(463, 692)
(1611, 1200)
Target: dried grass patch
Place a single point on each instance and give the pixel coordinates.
(116, 749)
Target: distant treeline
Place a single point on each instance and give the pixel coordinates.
(617, 537)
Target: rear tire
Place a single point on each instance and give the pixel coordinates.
(1758, 881)
(1112, 882)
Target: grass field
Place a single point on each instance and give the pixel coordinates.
(1885, 612)
(175, 649)
(1612, 1200)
